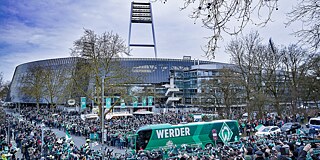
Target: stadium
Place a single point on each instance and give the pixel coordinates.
(166, 82)
(160, 76)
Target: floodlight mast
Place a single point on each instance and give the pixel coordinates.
(141, 13)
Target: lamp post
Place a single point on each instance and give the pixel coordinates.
(42, 138)
(102, 113)
(93, 95)
(8, 132)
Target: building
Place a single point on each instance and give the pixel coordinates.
(167, 82)
(156, 71)
(197, 87)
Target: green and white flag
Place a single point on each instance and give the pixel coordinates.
(298, 131)
(68, 136)
(259, 127)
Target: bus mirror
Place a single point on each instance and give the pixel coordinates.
(307, 125)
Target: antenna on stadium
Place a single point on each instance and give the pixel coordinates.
(141, 13)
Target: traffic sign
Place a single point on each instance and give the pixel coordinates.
(225, 133)
(214, 134)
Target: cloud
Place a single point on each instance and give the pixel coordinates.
(34, 29)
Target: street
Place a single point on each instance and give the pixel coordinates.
(78, 140)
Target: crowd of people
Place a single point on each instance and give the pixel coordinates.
(116, 129)
(27, 137)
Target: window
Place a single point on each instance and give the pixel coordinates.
(143, 139)
(315, 122)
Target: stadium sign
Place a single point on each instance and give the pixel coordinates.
(214, 134)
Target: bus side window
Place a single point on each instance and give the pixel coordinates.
(143, 139)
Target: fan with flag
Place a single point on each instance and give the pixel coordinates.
(68, 136)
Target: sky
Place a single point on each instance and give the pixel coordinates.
(34, 30)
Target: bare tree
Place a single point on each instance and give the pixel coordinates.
(260, 97)
(208, 96)
(1, 85)
(100, 60)
(1, 79)
(274, 76)
(4, 87)
(310, 82)
(294, 59)
(308, 13)
(32, 83)
(5, 90)
(306, 90)
(247, 53)
(228, 17)
(54, 84)
(315, 76)
(229, 88)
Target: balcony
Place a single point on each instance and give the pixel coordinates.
(172, 99)
(171, 90)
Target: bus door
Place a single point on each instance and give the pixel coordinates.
(132, 141)
(143, 138)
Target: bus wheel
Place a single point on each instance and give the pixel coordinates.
(220, 144)
(209, 145)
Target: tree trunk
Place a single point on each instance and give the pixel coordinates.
(38, 105)
(277, 107)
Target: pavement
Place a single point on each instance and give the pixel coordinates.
(78, 140)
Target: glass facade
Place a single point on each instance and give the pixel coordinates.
(155, 71)
(192, 83)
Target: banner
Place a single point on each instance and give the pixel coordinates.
(135, 101)
(123, 105)
(150, 100)
(94, 136)
(144, 101)
(83, 103)
(108, 103)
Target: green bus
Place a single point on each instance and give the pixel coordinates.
(197, 133)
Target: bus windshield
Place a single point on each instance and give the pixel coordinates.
(143, 138)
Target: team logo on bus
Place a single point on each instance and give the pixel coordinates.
(225, 133)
